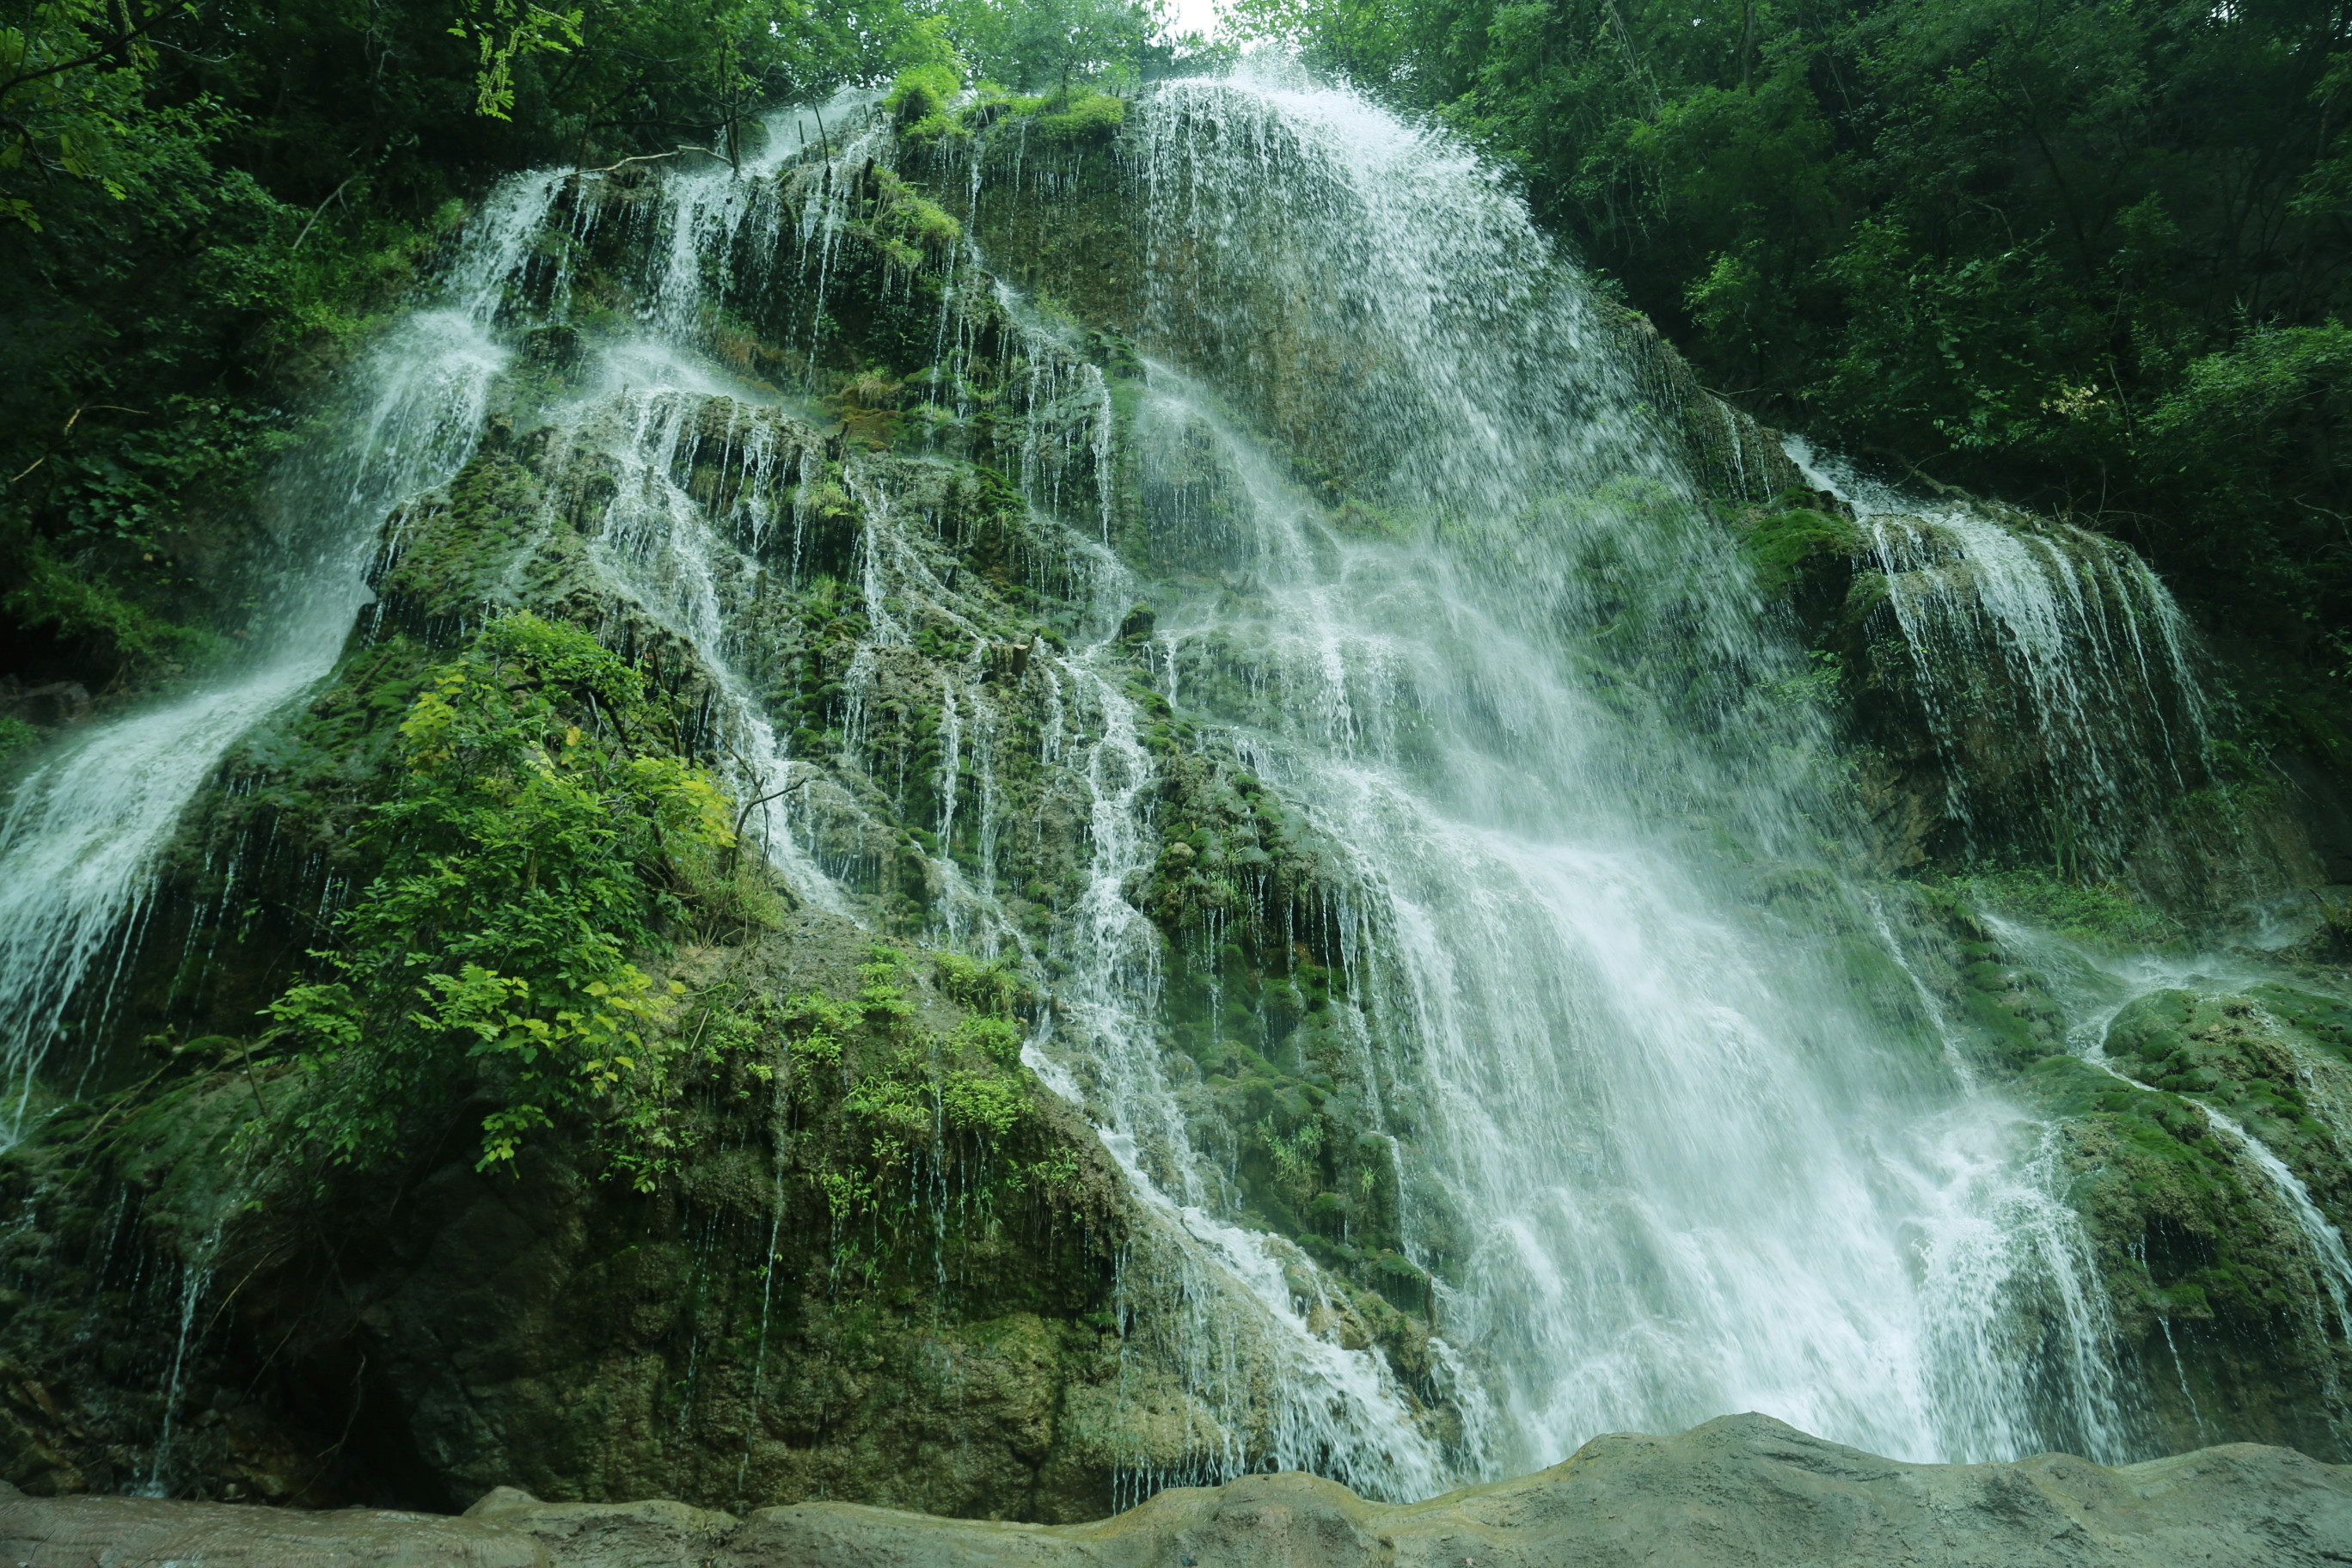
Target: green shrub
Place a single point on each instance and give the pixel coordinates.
(539, 837)
(15, 737)
(922, 92)
(1083, 117)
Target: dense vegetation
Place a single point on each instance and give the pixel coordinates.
(2091, 258)
(204, 204)
(2094, 258)
(541, 834)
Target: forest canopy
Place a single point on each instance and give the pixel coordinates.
(2091, 258)
(205, 204)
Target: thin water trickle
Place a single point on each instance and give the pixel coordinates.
(195, 1284)
(2326, 1256)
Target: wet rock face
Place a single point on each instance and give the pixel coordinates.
(2214, 1188)
(1744, 1491)
(2018, 688)
(795, 1313)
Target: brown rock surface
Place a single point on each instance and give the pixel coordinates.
(1745, 1491)
(91, 1531)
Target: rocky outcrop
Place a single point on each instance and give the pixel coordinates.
(1744, 1490)
(825, 1301)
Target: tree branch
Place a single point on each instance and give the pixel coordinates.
(317, 211)
(111, 46)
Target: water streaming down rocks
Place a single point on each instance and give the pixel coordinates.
(1605, 1067)
(2186, 1123)
(1305, 641)
(82, 834)
(2053, 669)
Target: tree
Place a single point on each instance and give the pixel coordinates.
(1996, 240)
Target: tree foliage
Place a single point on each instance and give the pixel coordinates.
(2093, 257)
(542, 837)
(204, 205)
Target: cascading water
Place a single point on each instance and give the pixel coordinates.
(1669, 1168)
(2096, 686)
(82, 834)
(1668, 1126)
(1242, 1346)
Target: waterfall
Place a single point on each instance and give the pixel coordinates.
(2091, 677)
(1669, 1166)
(1564, 922)
(82, 832)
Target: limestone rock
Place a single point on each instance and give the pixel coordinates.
(1745, 1491)
(86, 1531)
(609, 1535)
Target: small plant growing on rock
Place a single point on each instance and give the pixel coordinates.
(541, 836)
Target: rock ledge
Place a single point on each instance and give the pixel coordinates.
(1745, 1491)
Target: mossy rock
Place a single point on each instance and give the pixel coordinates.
(2259, 1059)
(2217, 1295)
(1785, 547)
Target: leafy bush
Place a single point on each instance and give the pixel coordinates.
(922, 92)
(908, 224)
(16, 736)
(541, 836)
(1081, 117)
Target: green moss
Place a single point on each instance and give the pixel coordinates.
(2254, 1058)
(2103, 914)
(1084, 116)
(1868, 591)
(2325, 1020)
(1781, 546)
(2173, 1218)
(2186, 1231)
(2010, 1007)
(453, 552)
